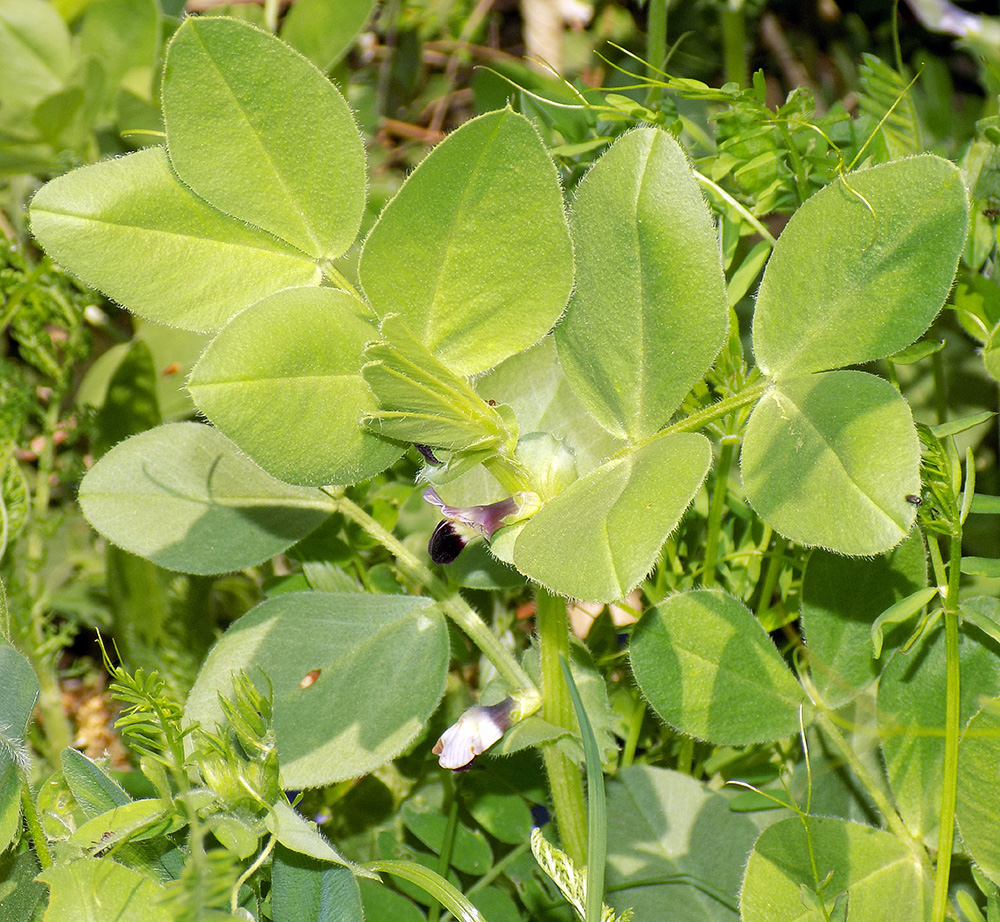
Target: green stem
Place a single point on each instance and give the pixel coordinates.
(565, 780)
(447, 848)
(634, 732)
(453, 605)
(717, 410)
(34, 826)
(734, 43)
(868, 781)
(775, 564)
(952, 729)
(334, 275)
(656, 46)
(798, 169)
(940, 388)
(715, 510)
(57, 728)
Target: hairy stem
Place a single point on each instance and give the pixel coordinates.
(565, 780)
(715, 510)
(453, 605)
(952, 730)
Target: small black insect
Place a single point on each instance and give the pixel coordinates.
(427, 452)
(914, 500)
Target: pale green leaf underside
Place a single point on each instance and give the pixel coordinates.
(283, 381)
(829, 459)
(257, 131)
(662, 824)
(875, 868)
(841, 287)
(129, 228)
(598, 538)
(474, 251)
(978, 806)
(534, 385)
(99, 890)
(382, 664)
(911, 720)
(708, 668)
(183, 496)
(841, 597)
(649, 310)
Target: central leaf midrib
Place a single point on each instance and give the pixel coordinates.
(300, 211)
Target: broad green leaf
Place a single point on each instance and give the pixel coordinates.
(829, 460)
(675, 850)
(535, 387)
(598, 538)
(470, 853)
(421, 400)
(911, 719)
(324, 30)
(20, 892)
(649, 310)
(283, 381)
(130, 405)
(708, 668)
(382, 663)
(978, 806)
(299, 835)
(18, 692)
(93, 789)
(844, 285)
(182, 496)
(174, 353)
(305, 888)
(871, 869)
(123, 35)
(382, 903)
(129, 228)
(841, 598)
(130, 821)
(36, 54)
(474, 251)
(497, 806)
(257, 131)
(99, 890)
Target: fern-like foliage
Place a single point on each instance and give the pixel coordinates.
(885, 96)
(151, 723)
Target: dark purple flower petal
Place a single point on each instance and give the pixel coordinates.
(446, 543)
